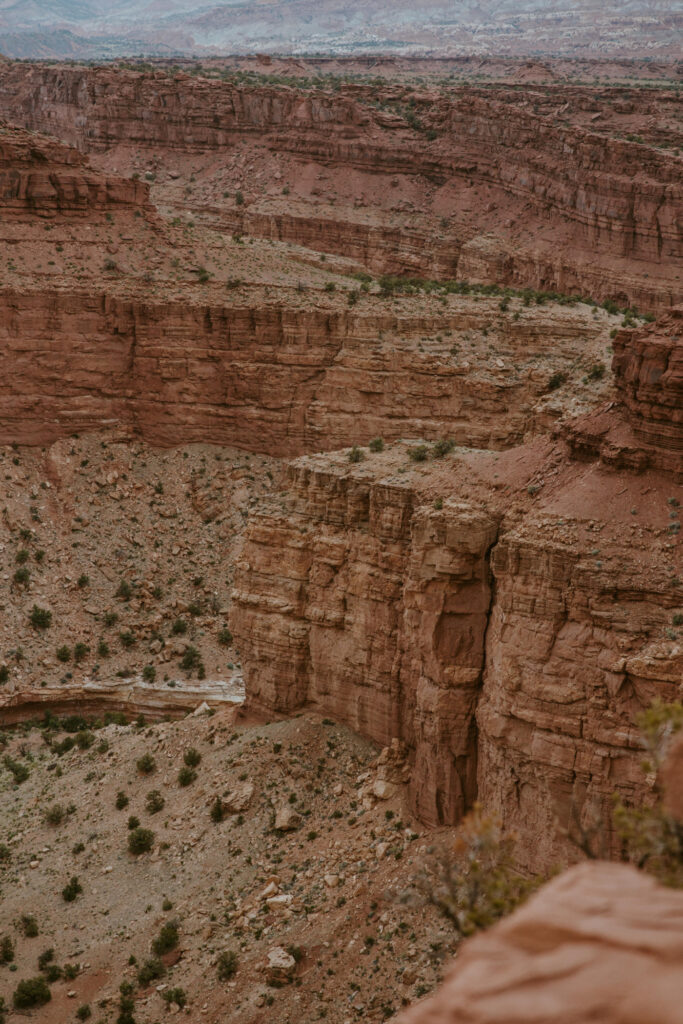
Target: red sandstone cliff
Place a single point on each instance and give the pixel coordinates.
(509, 639)
(569, 208)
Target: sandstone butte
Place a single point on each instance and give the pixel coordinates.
(505, 605)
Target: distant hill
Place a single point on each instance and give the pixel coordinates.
(585, 28)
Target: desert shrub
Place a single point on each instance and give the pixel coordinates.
(45, 958)
(121, 801)
(186, 776)
(596, 372)
(84, 1012)
(167, 939)
(19, 771)
(179, 627)
(29, 926)
(55, 815)
(110, 619)
(85, 739)
(103, 649)
(225, 637)
(146, 764)
(64, 653)
(126, 1004)
(21, 556)
(557, 380)
(72, 889)
(442, 447)
(175, 995)
(154, 802)
(418, 453)
(239, 198)
(651, 838)
(124, 590)
(376, 445)
(81, 652)
(4, 673)
(473, 881)
(40, 618)
(217, 812)
(6, 950)
(31, 992)
(71, 971)
(140, 840)
(227, 964)
(128, 638)
(190, 659)
(356, 454)
(133, 822)
(149, 673)
(5, 853)
(22, 576)
(192, 757)
(150, 971)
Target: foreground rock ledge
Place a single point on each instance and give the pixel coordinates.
(601, 943)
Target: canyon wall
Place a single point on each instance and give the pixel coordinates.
(509, 640)
(40, 177)
(270, 377)
(614, 205)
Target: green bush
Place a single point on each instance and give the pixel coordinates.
(146, 764)
(179, 627)
(124, 590)
(64, 653)
(29, 926)
(121, 801)
(31, 992)
(140, 840)
(376, 445)
(55, 815)
(225, 637)
(72, 889)
(149, 673)
(186, 776)
(6, 950)
(418, 453)
(154, 802)
(18, 770)
(133, 822)
(40, 618)
(192, 757)
(228, 962)
(150, 971)
(442, 447)
(217, 811)
(190, 659)
(167, 939)
(356, 454)
(175, 995)
(81, 652)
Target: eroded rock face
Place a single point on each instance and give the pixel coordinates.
(40, 176)
(648, 370)
(602, 942)
(603, 213)
(510, 641)
(272, 378)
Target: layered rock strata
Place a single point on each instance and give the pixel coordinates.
(614, 205)
(277, 378)
(509, 640)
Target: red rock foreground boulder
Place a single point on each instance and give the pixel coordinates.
(601, 943)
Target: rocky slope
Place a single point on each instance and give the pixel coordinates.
(420, 177)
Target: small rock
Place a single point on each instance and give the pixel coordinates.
(286, 819)
(280, 966)
(239, 799)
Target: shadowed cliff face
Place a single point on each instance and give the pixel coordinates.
(499, 193)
